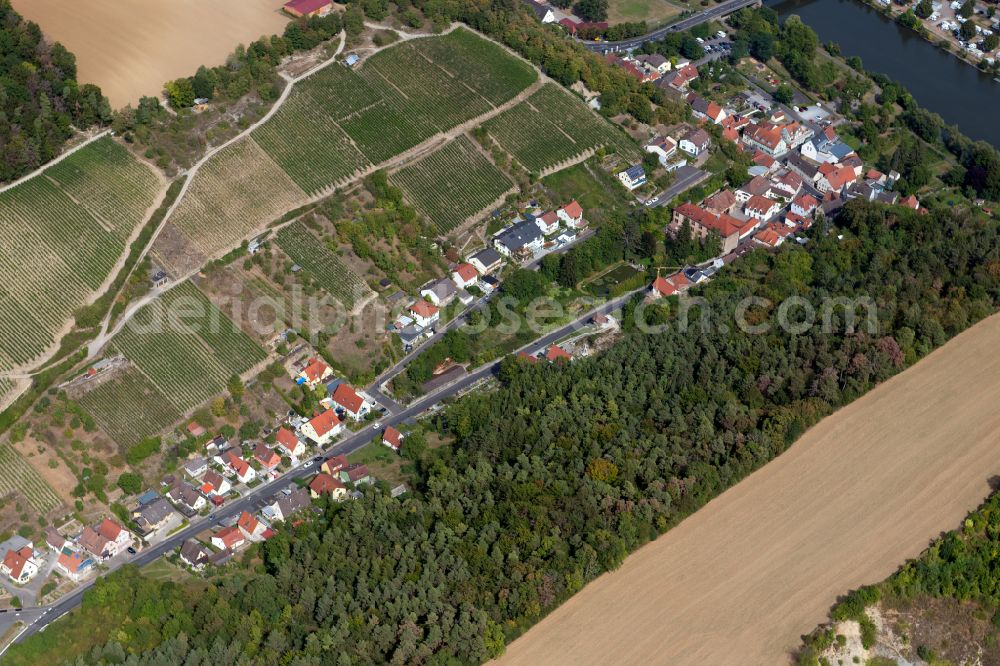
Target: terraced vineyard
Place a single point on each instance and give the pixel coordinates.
(61, 234)
(452, 184)
(552, 126)
(19, 477)
(238, 190)
(186, 347)
(109, 182)
(314, 256)
(115, 404)
(336, 124)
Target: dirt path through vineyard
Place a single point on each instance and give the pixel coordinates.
(742, 579)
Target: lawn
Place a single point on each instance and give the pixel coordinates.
(382, 462)
(653, 12)
(604, 284)
(163, 569)
(595, 190)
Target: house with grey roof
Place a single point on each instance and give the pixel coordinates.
(521, 240)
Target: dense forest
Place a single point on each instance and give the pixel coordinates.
(40, 100)
(559, 473)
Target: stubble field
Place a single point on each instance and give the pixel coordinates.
(742, 579)
(131, 47)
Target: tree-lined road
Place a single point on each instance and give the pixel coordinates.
(684, 24)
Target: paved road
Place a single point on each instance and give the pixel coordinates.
(685, 24)
(687, 176)
(41, 617)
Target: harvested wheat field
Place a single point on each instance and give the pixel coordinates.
(742, 579)
(131, 47)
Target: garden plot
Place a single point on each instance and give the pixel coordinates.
(452, 184)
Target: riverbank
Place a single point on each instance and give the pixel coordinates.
(944, 42)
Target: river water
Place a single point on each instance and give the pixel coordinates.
(939, 81)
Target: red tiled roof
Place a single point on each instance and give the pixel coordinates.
(911, 202)
(807, 202)
(247, 523)
(554, 353)
(763, 159)
(287, 439)
(71, 560)
(760, 204)
(392, 437)
(109, 529)
(324, 484)
(315, 370)
(347, 397)
(267, 457)
(230, 536)
(526, 356)
(306, 6)
(423, 309)
(573, 209)
(325, 422)
(336, 463)
(15, 561)
(466, 271)
(840, 177)
(550, 218)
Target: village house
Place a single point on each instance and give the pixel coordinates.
(556, 353)
(465, 275)
(720, 202)
(827, 147)
(195, 467)
(323, 428)
(730, 230)
(680, 78)
(439, 292)
(308, 8)
(195, 429)
(663, 147)
(214, 483)
(325, 484)
(787, 185)
(74, 564)
(703, 109)
(833, 178)
(486, 260)
(804, 205)
(572, 215)
(654, 61)
(194, 554)
(228, 538)
(252, 529)
(668, 286)
(424, 314)
(315, 373)
(355, 406)
(152, 516)
(633, 177)
(695, 142)
(766, 138)
(356, 473)
(107, 540)
(520, 240)
(237, 465)
(392, 438)
(333, 465)
(19, 565)
(758, 186)
(288, 443)
(186, 498)
(761, 208)
(54, 540)
(288, 505)
(548, 223)
(542, 11)
(772, 235)
(266, 456)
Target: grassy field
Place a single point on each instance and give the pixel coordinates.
(186, 347)
(322, 264)
(552, 126)
(61, 235)
(115, 404)
(595, 190)
(19, 477)
(741, 580)
(452, 184)
(653, 12)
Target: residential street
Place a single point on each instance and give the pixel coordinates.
(686, 177)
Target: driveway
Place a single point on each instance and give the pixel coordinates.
(686, 177)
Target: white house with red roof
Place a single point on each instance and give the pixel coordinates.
(73, 563)
(465, 275)
(251, 528)
(354, 405)
(237, 465)
(424, 313)
(19, 565)
(572, 215)
(668, 286)
(805, 205)
(761, 208)
(548, 222)
(288, 443)
(214, 483)
(834, 179)
(228, 538)
(392, 438)
(556, 353)
(267, 457)
(323, 428)
(315, 372)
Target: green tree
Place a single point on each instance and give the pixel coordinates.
(130, 482)
(180, 92)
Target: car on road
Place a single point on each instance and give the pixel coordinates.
(653, 201)
(376, 426)
(317, 459)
